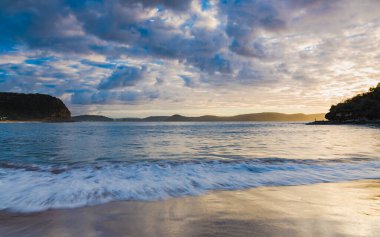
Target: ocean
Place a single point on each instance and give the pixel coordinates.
(66, 165)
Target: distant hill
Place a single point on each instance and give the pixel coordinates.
(147, 119)
(155, 119)
(279, 117)
(32, 107)
(362, 107)
(91, 118)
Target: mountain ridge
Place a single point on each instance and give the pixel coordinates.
(252, 117)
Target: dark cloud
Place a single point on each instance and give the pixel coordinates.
(47, 25)
(123, 23)
(98, 64)
(77, 26)
(103, 26)
(250, 48)
(245, 19)
(188, 81)
(113, 97)
(39, 60)
(123, 76)
(216, 63)
(172, 4)
(32, 71)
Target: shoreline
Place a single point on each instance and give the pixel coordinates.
(326, 209)
(37, 121)
(354, 122)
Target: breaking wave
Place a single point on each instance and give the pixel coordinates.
(36, 188)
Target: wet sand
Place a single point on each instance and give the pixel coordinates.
(329, 209)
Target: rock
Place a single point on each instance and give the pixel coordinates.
(32, 107)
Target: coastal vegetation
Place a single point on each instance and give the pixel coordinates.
(364, 107)
(32, 107)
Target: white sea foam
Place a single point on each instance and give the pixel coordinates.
(32, 189)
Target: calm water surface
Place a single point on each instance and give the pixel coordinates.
(59, 165)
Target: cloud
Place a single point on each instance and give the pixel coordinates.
(109, 27)
(188, 81)
(113, 97)
(173, 4)
(189, 54)
(41, 25)
(39, 60)
(98, 64)
(123, 76)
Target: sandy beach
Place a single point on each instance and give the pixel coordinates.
(328, 209)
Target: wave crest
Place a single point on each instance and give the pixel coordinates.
(37, 188)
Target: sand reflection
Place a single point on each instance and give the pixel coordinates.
(335, 209)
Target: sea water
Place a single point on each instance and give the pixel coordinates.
(66, 165)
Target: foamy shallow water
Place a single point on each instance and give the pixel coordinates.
(44, 166)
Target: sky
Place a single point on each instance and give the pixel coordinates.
(135, 58)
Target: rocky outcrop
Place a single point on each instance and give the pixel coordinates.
(32, 107)
(363, 107)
